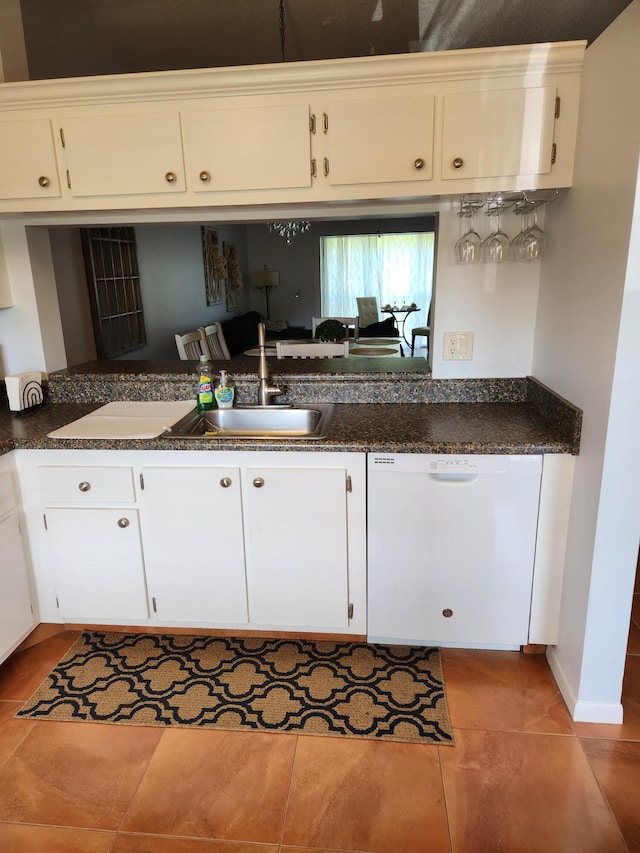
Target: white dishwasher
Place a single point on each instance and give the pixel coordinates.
(451, 544)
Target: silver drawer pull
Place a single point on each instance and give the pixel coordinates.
(123, 522)
(418, 163)
(225, 482)
(84, 486)
(457, 162)
(170, 177)
(205, 177)
(43, 181)
(258, 482)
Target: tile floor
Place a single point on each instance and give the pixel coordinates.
(521, 776)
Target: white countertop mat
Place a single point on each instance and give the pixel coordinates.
(127, 419)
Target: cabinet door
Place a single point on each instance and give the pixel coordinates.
(16, 617)
(124, 154)
(28, 166)
(192, 538)
(498, 134)
(248, 148)
(97, 562)
(380, 140)
(296, 536)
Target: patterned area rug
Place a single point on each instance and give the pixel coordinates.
(319, 688)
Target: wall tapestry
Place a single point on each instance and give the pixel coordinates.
(234, 275)
(214, 265)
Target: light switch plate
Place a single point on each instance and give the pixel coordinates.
(458, 346)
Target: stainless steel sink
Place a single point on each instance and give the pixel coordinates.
(284, 422)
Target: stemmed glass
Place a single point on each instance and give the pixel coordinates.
(495, 247)
(534, 242)
(467, 249)
(523, 210)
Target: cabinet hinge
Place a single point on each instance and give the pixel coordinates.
(64, 144)
(325, 123)
(57, 603)
(142, 482)
(31, 608)
(68, 179)
(153, 602)
(554, 151)
(556, 112)
(350, 611)
(326, 166)
(44, 518)
(348, 483)
(312, 122)
(314, 170)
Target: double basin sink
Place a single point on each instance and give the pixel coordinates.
(257, 422)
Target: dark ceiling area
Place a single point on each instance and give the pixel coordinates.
(72, 38)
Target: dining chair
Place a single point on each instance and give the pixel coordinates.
(312, 350)
(352, 324)
(191, 345)
(422, 331)
(367, 310)
(215, 341)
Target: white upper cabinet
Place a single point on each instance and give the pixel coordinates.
(379, 140)
(124, 154)
(28, 166)
(498, 134)
(302, 133)
(250, 148)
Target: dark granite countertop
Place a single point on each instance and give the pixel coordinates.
(402, 427)
(412, 413)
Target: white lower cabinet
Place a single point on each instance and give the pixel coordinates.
(297, 547)
(235, 539)
(97, 561)
(193, 544)
(16, 611)
(16, 615)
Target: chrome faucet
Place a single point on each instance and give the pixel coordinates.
(265, 390)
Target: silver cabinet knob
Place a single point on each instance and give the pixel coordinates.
(84, 486)
(43, 181)
(418, 163)
(123, 522)
(205, 177)
(170, 177)
(225, 482)
(457, 162)
(258, 482)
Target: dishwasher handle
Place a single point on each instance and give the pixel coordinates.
(446, 477)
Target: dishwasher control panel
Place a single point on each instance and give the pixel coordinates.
(453, 463)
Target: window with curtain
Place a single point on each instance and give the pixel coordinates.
(395, 268)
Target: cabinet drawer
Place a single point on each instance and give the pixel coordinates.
(7, 492)
(86, 484)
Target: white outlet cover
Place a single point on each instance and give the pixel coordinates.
(457, 346)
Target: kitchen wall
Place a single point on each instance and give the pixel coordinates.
(587, 348)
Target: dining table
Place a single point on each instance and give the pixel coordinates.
(400, 316)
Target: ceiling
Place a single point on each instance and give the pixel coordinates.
(71, 38)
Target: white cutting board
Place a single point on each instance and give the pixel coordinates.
(127, 420)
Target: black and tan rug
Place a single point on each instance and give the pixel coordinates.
(319, 688)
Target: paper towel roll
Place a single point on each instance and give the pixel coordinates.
(24, 390)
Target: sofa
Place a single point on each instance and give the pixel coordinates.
(241, 332)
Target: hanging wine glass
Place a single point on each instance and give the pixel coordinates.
(467, 249)
(495, 247)
(523, 210)
(534, 241)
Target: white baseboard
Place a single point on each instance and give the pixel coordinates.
(580, 710)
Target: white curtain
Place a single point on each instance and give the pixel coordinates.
(395, 268)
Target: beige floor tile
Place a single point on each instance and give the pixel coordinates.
(75, 774)
(24, 671)
(215, 784)
(364, 795)
(160, 844)
(11, 731)
(617, 768)
(509, 792)
(503, 691)
(630, 727)
(17, 838)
